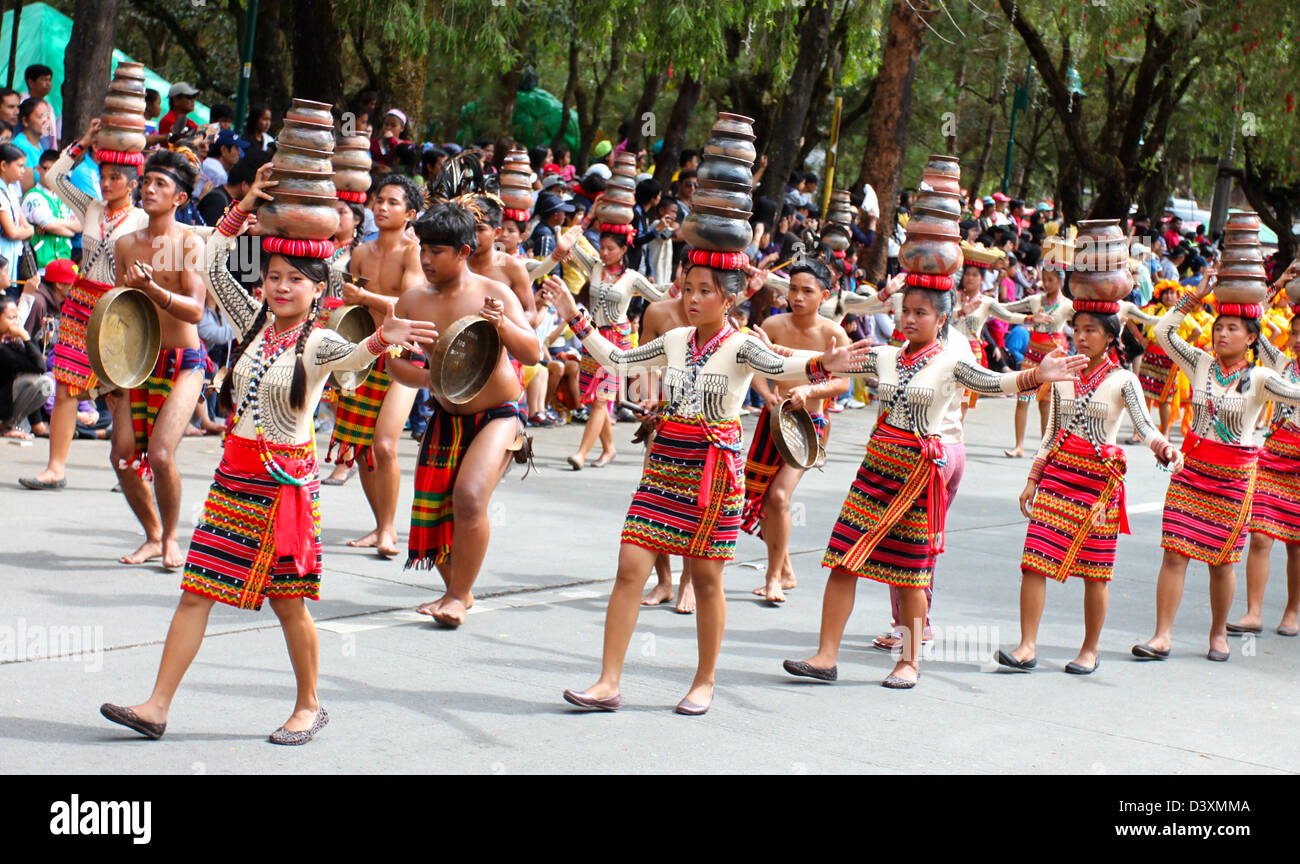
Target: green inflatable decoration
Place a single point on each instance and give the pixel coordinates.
(535, 121)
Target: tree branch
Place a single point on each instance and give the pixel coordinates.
(205, 79)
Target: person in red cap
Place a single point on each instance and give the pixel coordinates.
(999, 214)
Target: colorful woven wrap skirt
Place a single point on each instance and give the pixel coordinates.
(71, 366)
(976, 348)
(1208, 502)
(761, 466)
(1275, 511)
(1157, 374)
(147, 400)
(691, 493)
(1078, 513)
(595, 381)
(355, 416)
(890, 528)
(1040, 345)
(257, 538)
(443, 447)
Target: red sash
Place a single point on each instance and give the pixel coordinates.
(294, 528)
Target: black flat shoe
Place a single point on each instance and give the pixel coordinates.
(1238, 630)
(803, 670)
(131, 720)
(1076, 669)
(1217, 656)
(1146, 652)
(1005, 659)
(33, 483)
(893, 682)
(296, 739)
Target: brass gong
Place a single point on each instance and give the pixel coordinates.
(123, 338)
(463, 359)
(795, 436)
(355, 324)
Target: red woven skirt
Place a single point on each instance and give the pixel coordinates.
(1157, 374)
(1275, 511)
(763, 462)
(71, 366)
(595, 381)
(1208, 502)
(1078, 513)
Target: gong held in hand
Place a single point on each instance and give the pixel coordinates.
(795, 436)
(463, 359)
(123, 338)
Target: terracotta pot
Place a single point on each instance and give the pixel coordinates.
(927, 254)
(124, 122)
(836, 237)
(938, 228)
(1107, 285)
(123, 103)
(352, 142)
(708, 229)
(351, 160)
(612, 213)
(301, 159)
(1241, 291)
(120, 140)
(517, 179)
(1242, 220)
(1293, 291)
(311, 113)
(311, 183)
(1100, 229)
(306, 136)
(712, 196)
(726, 169)
(627, 184)
(517, 199)
(352, 181)
(288, 216)
(736, 148)
(127, 87)
(129, 69)
(941, 204)
(736, 125)
(943, 173)
(620, 196)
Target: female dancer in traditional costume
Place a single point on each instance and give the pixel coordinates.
(259, 537)
(1208, 503)
(691, 494)
(1047, 313)
(1275, 512)
(1074, 497)
(890, 528)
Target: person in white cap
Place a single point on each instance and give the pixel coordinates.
(391, 133)
(180, 102)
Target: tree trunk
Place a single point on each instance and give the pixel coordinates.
(783, 143)
(401, 74)
(499, 107)
(982, 166)
(654, 82)
(688, 94)
(1069, 187)
(270, 81)
(570, 91)
(86, 63)
(318, 60)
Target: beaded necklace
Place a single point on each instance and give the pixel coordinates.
(908, 367)
(696, 357)
(273, 345)
(1215, 404)
(1083, 392)
(607, 280)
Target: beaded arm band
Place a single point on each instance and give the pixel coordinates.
(376, 344)
(580, 324)
(232, 222)
(1036, 470)
(1027, 381)
(1187, 303)
(817, 373)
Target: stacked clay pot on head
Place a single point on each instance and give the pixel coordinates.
(933, 245)
(839, 216)
(303, 168)
(352, 164)
(1242, 277)
(1100, 273)
(123, 118)
(724, 201)
(615, 207)
(516, 188)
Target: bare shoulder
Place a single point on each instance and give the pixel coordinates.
(774, 325)
(416, 302)
(827, 327)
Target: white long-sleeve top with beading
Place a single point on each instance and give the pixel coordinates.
(1237, 407)
(719, 386)
(1061, 312)
(98, 262)
(610, 299)
(972, 325)
(1098, 418)
(1133, 312)
(324, 352)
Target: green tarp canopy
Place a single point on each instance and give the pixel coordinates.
(535, 121)
(43, 36)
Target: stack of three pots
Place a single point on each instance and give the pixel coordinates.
(838, 232)
(616, 206)
(718, 227)
(932, 251)
(1243, 282)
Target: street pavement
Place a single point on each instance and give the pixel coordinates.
(404, 696)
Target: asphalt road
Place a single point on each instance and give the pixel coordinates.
(78, 629)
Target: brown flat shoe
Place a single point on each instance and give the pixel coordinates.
(893, 682)
(691, 709)
(1288, 631)
(582, 700)
(131, 720)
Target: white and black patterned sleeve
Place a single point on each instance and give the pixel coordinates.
(646, 357)
(779, 364)
(1280, 389)
(651, 291)
(1012, 313)
(1136, 406)
(1186, 355)
(332, 352)
(236, 303)
(988, 383)
(56, 179)
(1272, 357)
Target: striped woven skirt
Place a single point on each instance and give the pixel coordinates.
(1275, 512)
(257, 538)
(355, 416)
(691, 494)
(976, 348)
(763, 462)
(445, 441)
(1040, 345)
(890, 528)
(1157, 374)
(595, 381)
(147, 400)
(1208, 502)
(71, 366)
(1078, 513)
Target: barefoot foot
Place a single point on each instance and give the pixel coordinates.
(386, 544)
(149, 550)
(371, 539)
(172, 555)
(771, 591)
(686, 599)
(657, 595)
(451, 613)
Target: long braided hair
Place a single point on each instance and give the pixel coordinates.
(317, 271)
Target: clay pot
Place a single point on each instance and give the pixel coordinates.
(727, 170)
(302, 159)
(836, 237)
(736, 148)
(123, 141)
(717, 229)
(128, 77)
(298, 218)
(945, 205)
(123, 103)
(308, 183)
(943, 173)
(734, 125)
(352, 181)
(1242, 277)
(351, 160)
(1293, 291)
(620, 196)
(307, 136)
(1100, 246)
(125, 122)
(353, 142)
(712, 195)
(1243, 220)
(516, 179)
(923, 253)
(517, 199)
(310, 113)
(1110, 286)
(611, 213)
(935, 227)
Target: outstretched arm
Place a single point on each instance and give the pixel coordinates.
(1186, 355)
(988, 383)
(1012, 313)
(783, 365)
